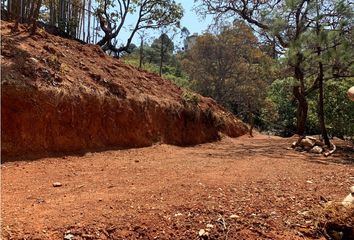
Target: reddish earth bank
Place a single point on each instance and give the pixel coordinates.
(61, 96)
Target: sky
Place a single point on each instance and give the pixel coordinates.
(190, 19)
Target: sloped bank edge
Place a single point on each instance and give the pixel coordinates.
(51, 122)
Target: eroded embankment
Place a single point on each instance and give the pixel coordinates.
(59, 96)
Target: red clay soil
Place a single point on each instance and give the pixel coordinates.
(244, 188)
(59, 95)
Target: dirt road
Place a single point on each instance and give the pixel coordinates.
(244, 188)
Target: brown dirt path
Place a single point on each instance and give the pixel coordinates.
(168, 192)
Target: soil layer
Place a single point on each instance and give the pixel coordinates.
(244, 188)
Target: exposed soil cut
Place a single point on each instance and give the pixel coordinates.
(59, 95)
(243, 188)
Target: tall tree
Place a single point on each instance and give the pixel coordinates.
(150, 14)
(287, 22)
(231, 68)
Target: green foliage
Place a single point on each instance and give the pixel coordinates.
(279, 112)
(339, 110)
(169, 72)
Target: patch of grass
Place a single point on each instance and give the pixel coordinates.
(190, 97)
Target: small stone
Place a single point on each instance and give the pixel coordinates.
(201, 232)
(348, 200)
(68, 236)
(352, 190)
(209, 226)
(233, 216)
(57, 184)
(308, 181)
(316, 150)
(34, 60)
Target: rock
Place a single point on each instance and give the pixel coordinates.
(351, 93)
(316, 149)
(69, 236)
(57, 184)
(201, 232)
(209, 226)
(233, 216)
(293, 145)
(33, 60)
(307, 142)
(349, 199)
(308, 181)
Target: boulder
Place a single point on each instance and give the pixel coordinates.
(351, 93)
(307, 142)
(316, 149)
(349, 199)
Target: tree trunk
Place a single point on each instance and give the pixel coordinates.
(161, 55)
(251, 119)
(35, 16)
(141, 52)
(299, 93)
(321, 117)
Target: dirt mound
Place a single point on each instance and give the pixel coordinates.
(59, 95)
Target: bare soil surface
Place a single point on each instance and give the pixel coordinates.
(244, 188)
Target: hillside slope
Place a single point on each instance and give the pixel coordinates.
(62, 96)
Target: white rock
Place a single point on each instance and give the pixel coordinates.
(351, 93)
(233, 216)
(57, 184)
(306, 142)
(34, 60)
(201, 232)
(348, 200)
(316, 149)
(209, 225)
(68, 236)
